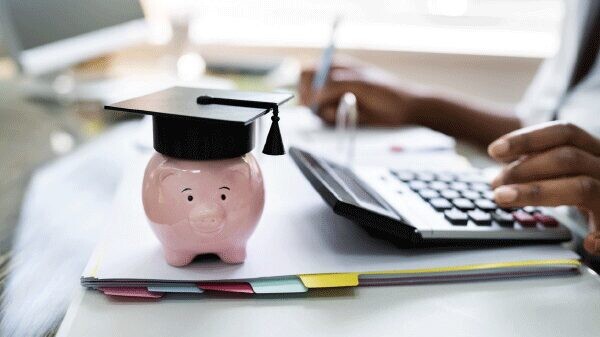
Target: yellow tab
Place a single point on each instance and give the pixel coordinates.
(329, 280)
(500, 265)
(351, 279)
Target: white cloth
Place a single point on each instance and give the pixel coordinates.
(582, 105)
(62, 216)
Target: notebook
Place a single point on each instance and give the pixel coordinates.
(299, 244)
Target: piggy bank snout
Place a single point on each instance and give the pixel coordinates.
(207, 217)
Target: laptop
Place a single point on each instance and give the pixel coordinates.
(418, 208)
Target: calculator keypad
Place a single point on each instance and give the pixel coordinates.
(468, 199)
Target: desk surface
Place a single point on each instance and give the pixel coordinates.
(531, 307)
(558, 306)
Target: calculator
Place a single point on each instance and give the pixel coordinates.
(414, 208)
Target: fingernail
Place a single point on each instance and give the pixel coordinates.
(504, 194)
(499, 148)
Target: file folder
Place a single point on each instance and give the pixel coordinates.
(298, 245)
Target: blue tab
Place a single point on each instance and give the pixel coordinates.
(176, 289)
(278, 285)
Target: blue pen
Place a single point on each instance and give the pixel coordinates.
(325, 63)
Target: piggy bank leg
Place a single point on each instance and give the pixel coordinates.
(233, 255)
(178, 258)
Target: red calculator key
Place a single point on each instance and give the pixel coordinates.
(524, 218)
(546, 220)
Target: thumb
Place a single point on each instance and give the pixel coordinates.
(592, 243)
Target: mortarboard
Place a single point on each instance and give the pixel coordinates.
(207, 124)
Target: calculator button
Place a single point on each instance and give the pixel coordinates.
(440, 204)
(404, 175)
(459, 186)
(463, 204)
(438, 185)
(428, 194)
(471, 195)
(417, 185)
(480, 187)
(456, 217)
(471, 178)
(445, 177)
(450, 194)
(504, 219)
(524, 218)
(480, 218)
(488, 195)
(546, 220)
(424, 176)
(486, 205)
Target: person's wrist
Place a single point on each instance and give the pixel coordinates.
(421, 107)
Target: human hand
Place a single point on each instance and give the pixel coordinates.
(551, 164)
(382, 99)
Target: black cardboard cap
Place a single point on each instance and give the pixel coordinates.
(187, 127)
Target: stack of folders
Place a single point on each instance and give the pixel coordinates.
(298, 245)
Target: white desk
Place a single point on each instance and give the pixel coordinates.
(560, 306)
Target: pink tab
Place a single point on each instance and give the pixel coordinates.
(130, 292)
(232, 287)
(525, 219)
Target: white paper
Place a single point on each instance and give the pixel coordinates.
(298, 234)
(374, 145)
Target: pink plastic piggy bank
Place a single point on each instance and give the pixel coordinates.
(198, 207)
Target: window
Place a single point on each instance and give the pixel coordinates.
(492, 27)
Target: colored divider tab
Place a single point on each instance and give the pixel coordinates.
(329, 280)
(176, 289)
(232, 287)
(483, 266)
(278, 285)
(138, 292)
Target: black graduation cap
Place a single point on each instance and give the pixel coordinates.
(205, 124)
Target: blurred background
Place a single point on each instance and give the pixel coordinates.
(61, 60)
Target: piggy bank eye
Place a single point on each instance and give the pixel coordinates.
(190, 198)
(223, 196)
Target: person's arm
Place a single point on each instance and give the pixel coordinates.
(459, 118)
(385, 100)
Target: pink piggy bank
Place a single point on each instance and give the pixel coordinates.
(198, 207)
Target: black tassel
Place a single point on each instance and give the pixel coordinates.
(274, 143)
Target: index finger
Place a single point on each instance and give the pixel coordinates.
(592, 243)
(540, 138)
